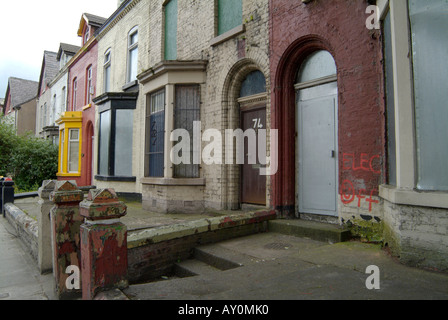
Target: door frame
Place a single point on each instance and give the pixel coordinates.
(304, 86)
(247, 105)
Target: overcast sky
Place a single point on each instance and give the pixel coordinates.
(28, 27)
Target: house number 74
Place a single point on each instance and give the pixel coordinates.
(257, 123)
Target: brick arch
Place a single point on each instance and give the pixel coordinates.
(283, 110)
(231, 120)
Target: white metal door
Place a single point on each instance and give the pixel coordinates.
(317, 150)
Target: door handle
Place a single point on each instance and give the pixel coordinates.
(333, 154)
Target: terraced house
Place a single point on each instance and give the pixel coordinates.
(352, 94)
(358, 100)
(19, 106)
(170, 64)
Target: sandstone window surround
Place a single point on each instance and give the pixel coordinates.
(412, 183)
(165, 76)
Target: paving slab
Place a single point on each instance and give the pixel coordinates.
(281, 267)
(19, 277)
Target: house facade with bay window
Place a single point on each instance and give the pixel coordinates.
(174, 65)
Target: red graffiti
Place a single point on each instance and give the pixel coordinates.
(349, 194)
(364, 163)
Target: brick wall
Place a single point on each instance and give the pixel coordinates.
(296, 30)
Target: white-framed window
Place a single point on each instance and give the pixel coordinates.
(132, 55)
(89, 86)
(63, 100)
(53, 110)
(73, 151)
(87, 35)
(107, 69)
(74, 94)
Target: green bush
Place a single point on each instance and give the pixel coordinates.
(29, 160)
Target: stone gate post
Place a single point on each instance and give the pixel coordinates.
(44, 258)
(66, 222)
(103, 243)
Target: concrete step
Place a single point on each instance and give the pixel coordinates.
(220, 257)
(193, 267)
(310, 229)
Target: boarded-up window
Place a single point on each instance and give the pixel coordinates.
(230, 15)
(429, 25)
(186, 111)
(171, 30)
(254, 83)
(155, 135)
(390, 103)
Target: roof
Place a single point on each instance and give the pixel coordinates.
(92, 20)
(68, 48)
(21, 90)
(50, 68)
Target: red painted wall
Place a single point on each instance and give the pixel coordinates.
(78, 69)
(338, 26)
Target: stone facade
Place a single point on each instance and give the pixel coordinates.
(216, 63)
(114, 37)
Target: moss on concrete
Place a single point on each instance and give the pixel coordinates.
(367, 231)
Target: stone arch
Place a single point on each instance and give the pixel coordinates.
(283, 118)
(231, 179)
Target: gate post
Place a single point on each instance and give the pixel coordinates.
(44, 258)
(7, 194)
(65, 223)
(103, 243)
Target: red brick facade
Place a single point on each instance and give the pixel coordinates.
(339, 26)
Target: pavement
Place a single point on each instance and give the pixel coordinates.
(20, 278)
(275, 266)
(267, 266)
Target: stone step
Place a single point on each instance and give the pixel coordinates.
(193, 267)
(310, 229)
(220, 257)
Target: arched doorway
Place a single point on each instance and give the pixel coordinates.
(90, 147)
(317, 135)
(245, 90)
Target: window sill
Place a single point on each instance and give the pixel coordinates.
(227, 35)
(413, 197)
(116, 178)
(59, 174)
(174, 181)
(133, 85)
